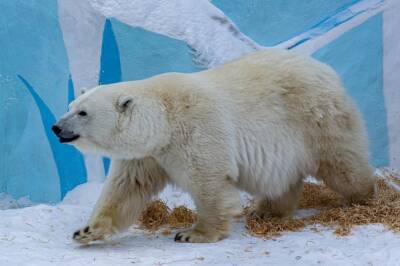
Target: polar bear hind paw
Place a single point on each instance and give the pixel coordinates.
(195, 236)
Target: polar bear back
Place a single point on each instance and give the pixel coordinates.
(283, 106)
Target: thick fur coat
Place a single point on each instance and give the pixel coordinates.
(260, 124)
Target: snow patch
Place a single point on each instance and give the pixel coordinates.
(41, 235)
(84, 194)
(8, 202)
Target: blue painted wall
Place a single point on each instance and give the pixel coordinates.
(357, 57)
(270, 22)
(31, 162)
(137, 46)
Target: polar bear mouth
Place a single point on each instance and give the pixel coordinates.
(64, 135)
(69, 139)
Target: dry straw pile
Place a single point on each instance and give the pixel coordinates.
(384, 209)
(158, 215)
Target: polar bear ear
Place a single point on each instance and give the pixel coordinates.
(124, 102)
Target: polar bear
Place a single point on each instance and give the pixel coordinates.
(260, 124)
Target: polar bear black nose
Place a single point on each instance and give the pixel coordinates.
(56, 129)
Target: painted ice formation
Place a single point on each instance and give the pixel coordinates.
(52, 49)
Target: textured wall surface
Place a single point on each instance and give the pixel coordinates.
(50, 49)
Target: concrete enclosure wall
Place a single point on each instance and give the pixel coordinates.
(51, 49)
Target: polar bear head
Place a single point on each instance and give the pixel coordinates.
(115, 120)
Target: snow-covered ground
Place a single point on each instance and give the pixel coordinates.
(41, 235)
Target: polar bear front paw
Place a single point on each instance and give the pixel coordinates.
(97, 231)
(196, 236)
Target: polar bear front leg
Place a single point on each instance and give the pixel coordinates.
(216, 200)
(129, 186)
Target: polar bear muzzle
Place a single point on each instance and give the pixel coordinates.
(64, 135)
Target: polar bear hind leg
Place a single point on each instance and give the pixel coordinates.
(348, 173)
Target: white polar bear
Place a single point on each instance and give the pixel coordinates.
(260, 124)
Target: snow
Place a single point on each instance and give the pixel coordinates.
(8, 202)
(41, 235)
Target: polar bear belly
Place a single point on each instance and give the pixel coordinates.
(269, 166)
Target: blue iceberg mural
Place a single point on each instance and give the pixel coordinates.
(69, 161)
(34, 163)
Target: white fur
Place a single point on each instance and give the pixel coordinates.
(261, 124)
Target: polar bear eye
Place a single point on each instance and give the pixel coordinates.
(82, 113)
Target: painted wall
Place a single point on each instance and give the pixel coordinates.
(50, 49)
